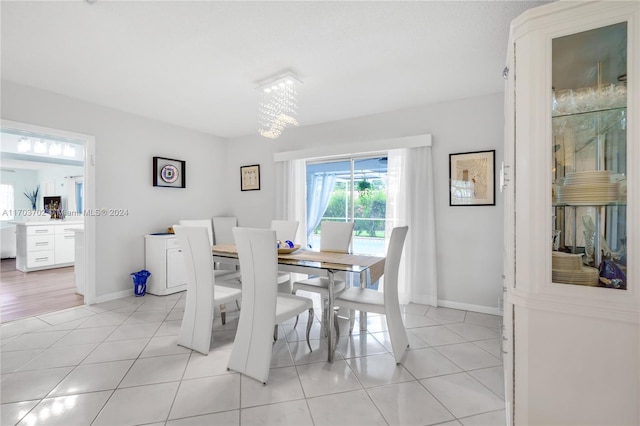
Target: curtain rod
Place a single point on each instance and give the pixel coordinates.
(355, 148)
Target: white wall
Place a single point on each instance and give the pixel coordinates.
(125, 145)
(469, 239)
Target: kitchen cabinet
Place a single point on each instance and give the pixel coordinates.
(45, 245)
(572, 206)
(163, 258)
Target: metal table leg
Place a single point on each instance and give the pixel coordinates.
(330, 318)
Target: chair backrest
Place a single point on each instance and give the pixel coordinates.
(199, 222)
(285, 229)
(392, 265)
(336, 236)
(222, 226)
(253, 344)
(197, 323)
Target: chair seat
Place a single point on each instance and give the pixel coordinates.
(283, 277)
(319, 285)
(224, 294)
(288, 306)
(228, 279)
(362, 299)
(222, 274)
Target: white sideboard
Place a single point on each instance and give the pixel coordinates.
(163, 258)
(45, 245)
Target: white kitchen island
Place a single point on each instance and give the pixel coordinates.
(45, 244)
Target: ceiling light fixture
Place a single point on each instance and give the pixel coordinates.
(69, 151)
(278, 106)
(55, 149)
(40, 147)
(24, 144)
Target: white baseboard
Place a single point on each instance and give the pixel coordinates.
(469, 307)
(114, 296)
(424, 300)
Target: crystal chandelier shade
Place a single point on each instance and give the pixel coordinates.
(278, 107)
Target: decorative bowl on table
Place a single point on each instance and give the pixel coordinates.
(286, 247)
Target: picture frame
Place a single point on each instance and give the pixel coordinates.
(250, 178)
(472, 178)
(169, 173)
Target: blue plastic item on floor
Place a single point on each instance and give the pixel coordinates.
(140, 282)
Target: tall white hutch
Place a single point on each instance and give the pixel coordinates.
(571, 340)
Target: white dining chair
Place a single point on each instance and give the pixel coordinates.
(285, 230)
(384, 302)
(202, 292)
(224, 277)
(222, 234)
(334, 237)
(222, 229)
(199, 222)
(263, 306)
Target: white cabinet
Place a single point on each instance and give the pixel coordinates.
(44, 245)
(572, 146)
(64, 243)
(163, 258)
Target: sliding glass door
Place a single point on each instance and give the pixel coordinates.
(352, 189)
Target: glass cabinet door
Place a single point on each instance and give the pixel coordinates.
(589, 157)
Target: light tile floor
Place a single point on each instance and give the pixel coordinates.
(117, 363)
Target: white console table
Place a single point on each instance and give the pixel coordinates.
(45, 245)
(163, 258)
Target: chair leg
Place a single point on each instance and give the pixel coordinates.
(352, 320)
(293, 291)
(335, 323)
(309, 328)
(275, 333)
(223, 313)
(238, 304)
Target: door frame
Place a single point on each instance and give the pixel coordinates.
(89, 183)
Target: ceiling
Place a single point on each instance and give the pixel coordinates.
(196, 64)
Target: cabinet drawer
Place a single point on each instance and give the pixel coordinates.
(172, 243)
(40, 258)
(40, 230)
(67, 229)
(40, 243)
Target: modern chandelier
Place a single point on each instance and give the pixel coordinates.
(278, 107)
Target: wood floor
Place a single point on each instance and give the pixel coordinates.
(24, 294)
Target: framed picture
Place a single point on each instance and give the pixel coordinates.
(250, 178)
(472, 179)
(169, 172)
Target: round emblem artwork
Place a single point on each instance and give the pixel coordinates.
(169, 173)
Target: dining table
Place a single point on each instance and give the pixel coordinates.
(367, 268)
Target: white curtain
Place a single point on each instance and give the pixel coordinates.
(410, 201)
(321, 186)
(291, 196)
(70, 183)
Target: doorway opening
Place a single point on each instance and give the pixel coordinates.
(47, 185)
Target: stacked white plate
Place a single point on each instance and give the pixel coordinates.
(586, 276)
(567, 268)
(566, 261)
(588, 188)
